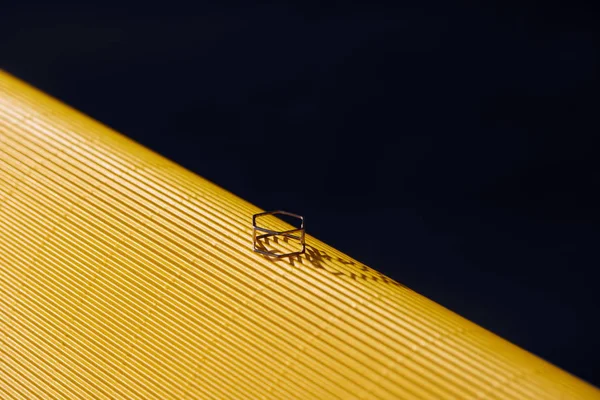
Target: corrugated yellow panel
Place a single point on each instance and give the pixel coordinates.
(125, 276)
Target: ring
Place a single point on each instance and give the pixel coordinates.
(296, 234)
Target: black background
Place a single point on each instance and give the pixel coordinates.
(450, 145)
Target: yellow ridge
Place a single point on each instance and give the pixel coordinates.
(125, 276)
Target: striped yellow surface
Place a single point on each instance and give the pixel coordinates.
(125, 276)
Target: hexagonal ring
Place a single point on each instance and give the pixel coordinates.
(296, 234)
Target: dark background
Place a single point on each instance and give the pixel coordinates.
(450, 145)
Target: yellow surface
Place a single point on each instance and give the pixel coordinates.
(125, 276)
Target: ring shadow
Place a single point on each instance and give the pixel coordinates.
(320, 259)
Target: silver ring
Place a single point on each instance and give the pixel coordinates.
(296, 234)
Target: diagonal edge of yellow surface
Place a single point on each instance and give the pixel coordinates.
(125, 276)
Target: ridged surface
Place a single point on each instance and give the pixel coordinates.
(125, 276)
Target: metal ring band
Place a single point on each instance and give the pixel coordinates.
(265, 233)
